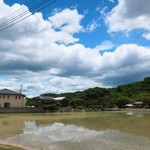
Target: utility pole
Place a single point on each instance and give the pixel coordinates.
(21, 89)
(21, 94)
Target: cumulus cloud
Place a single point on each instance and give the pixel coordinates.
(146, 36)
(30, 45)
(58, 28)
(63, 21)
(36, 83)
(44, 56)
(129, 15)
(128, 63)
(105, 45)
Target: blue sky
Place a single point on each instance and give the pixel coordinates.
(74, 45)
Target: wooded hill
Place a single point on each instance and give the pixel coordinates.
(107, 97)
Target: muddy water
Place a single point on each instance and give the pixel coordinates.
(79, 131)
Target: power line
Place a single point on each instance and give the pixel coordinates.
(22, 14)
(9, 16)
(25, 14)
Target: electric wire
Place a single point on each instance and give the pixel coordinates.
(25, 14)
(20, 10)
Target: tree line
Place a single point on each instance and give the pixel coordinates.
(101, 98)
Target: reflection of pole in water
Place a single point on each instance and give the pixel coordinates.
(18, 138)
(22, 126)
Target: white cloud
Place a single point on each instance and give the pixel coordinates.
(103, 11)
(67, 21)
(128, 56)
(75, 71)
(53, 30)
(105, 45)
(112, 1)
(129, 15)
(31, 54)
(38, 83)
(146, 36)
(92, 26)
(56, 10)
(75, 83)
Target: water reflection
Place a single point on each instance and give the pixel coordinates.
(75, 131)
(10, 128)
(58, 136)
(129, 113)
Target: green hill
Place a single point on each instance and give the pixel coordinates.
(109, 97)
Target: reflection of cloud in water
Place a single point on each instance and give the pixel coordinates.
(129, 113)
(70, 137)
(139, 115)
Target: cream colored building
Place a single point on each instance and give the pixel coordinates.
(11, 99)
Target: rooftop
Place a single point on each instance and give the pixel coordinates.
(59, 98)
(46, 97)
(7, 91)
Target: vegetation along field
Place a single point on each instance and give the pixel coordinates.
(101, 98)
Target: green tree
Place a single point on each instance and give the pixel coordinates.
(122, 101)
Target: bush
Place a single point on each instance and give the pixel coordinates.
(80, 107)
(51, 108)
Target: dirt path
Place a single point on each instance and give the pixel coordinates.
(19, 146)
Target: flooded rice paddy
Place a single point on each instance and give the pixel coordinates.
(78, 131)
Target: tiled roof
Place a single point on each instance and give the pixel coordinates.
(59, 98)
(138, 103)
(7, 91)
(46, 98)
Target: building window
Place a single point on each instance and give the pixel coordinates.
(16, 96)
(19, 97)
(3, 96)
(8, 96)
(6, 105)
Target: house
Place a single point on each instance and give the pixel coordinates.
(129, 106)
(47, 100)
(62, 101)
(139, 104)
(11, 99)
